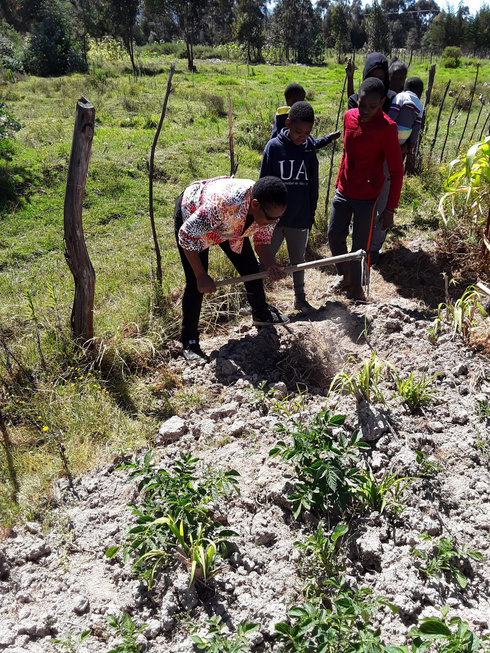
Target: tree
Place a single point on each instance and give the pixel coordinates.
(189, 14)
(377, 29)
(296, 25)
(250, 16)
(52, 48)
(122, 16)
(339, 21)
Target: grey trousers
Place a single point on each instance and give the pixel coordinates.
(362, 213)
(296, 241)
(379, 235)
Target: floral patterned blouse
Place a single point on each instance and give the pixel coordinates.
(215, 210)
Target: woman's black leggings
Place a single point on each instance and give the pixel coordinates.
(245, 263)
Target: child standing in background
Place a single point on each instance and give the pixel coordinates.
(406, 110)
(370, 137)
(292, 158)
(296, 93)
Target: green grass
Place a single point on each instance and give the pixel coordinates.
(134, 391)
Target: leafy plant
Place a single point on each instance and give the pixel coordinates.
(324, 548)
(447, 635)
(414, 394)
(444, 558)
(461, 314)
(427, 467)
(344, 626)
(218, 642)
(364, 384)
(469, 177)
(383, 493)
(290, 404)
(126, 629)
(325, 465)
(71, 642)
(483, 409)
(174, 518)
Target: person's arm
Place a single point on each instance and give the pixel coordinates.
(205, 283)
(264, 252)
(318, 143)
(313, 188)
(352, 102)
(266, 164)
(349, 73)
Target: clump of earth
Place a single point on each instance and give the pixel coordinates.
(58, 583)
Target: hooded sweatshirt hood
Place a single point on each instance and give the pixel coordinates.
(377, 60)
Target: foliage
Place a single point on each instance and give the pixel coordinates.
(461, 314)
(444, 558)
(384, 493)
(52, 49)
(451, 57)
(446, 635)
(324, 464)
(364, 384)
(218, 642)
(126, 629)
(71, 642)
(324, 549)
(344, 626)
(415, 394)
(427, 467)
(174, 518)
(8, 126)
(483, 409)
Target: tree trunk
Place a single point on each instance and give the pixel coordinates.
(75, 249)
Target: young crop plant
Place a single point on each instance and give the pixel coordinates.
(444, 558)
(364, 384)
(427, 467)
(325, 466)
(461, 315)
(174, 520)
(443, 635)
(342, 626)
(218, 642)
(382, 494)
(127, 631)
(414, 394)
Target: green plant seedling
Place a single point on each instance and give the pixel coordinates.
(174, 520)
(461, 315)
(415, 394)
(483, 409)
(427, 467)
(444, 558)
(447, 635)
(290, 405)
(218, 642)
(324, 465)
(384, 493)
(126, 629)
(364, 384)
(325, 548)
(72, 642)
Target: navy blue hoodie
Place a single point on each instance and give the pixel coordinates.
(297, 167)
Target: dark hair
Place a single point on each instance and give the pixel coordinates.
(294, 91)
(398, 66)
(415, 84)
(301, 111)
(270, 191)
(373, 86)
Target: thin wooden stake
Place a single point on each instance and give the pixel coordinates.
(449, 125)
(327, 198)
(469, 108)
(428, 93)
(482, 102)
(233, 167)
(484, 125)
(441, 105)
(150, 190)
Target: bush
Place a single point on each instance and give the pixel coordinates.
(52, 49)
(451, 57)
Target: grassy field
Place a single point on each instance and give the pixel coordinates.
(53, 395)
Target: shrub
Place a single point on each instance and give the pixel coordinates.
(52, 49)
(451, 57)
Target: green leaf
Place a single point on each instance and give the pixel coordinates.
(112, 551)
(460, 577)
(433, 627)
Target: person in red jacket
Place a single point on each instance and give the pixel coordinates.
(370, 137)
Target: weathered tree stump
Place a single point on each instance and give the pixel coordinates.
(76, 253)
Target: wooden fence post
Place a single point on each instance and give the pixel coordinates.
(82, 314)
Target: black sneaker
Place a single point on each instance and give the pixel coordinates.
(192, 352)
(270, 317)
